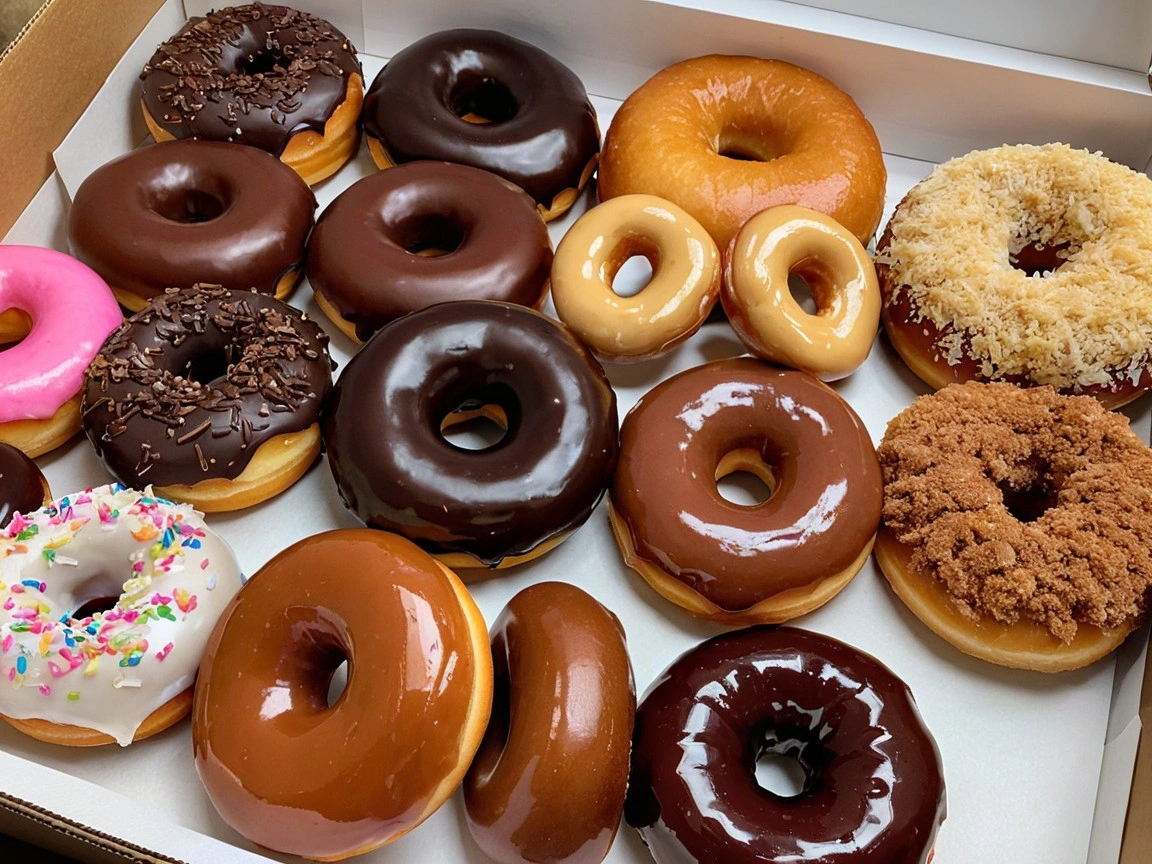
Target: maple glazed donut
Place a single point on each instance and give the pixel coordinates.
(560, 733)
(489, 240)
(174, 214)
(109, 597)
(23, 488)
(296, 774)
(1026, 264)
(834, 341)
(71, 311)
(269, 76)
(669, 309)
(491, 507)
(735, 563)
(873, 788)
(213, 396)
(1018, 523)
(486, 99)
(762, 132)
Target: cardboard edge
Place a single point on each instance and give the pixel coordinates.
(1137, 838)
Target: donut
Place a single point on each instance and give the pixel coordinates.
(426, 233)
(736, 563)
(211, 395)
(23, 488)
(670, 308)
(269, 76)
(428, 371)
(1025, 264)
(293, 770)
(1018, 523)
(109, 597)
(761, 133)
(560, 733)
(486, 99)
(873, 787)
(174, 214)
(789, 239)
(71, 312)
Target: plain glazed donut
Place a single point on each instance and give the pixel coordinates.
(665, 312)
(125, 671)
(486, 99)
(269, 76)
(873, 791)
(296, 774)
(560, 733)
(493, 507)
(1018, 523)
(1031, 265)
(172, 215)
(834, 341)
(491, 241)
(211, 395)
(760, 133)
(23, 488)
(729, 562)
(71, 312)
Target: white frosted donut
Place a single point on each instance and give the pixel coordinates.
(98, 678)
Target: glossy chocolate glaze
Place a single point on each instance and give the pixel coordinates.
(823, 512)
(543, 131)
(251, 74)
(291, 772)
(190, 386)
(396, 471)
(560, 732)
(361, 254)
(182, 212)
(874, 788)
(21, 483)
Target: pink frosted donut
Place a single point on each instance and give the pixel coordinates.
(72, 311)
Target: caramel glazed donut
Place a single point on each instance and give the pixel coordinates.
(285, 81)
(211, 395)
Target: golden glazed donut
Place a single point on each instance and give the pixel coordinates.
(726, 137)
(835, 340)
(1024, 264)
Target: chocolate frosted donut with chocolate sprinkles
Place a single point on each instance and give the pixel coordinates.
(211, 395)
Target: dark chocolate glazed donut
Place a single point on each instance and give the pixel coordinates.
(395, 470)
(497, 247)
(874, 788)
(22, 486)
(174, 214)
(541, 135)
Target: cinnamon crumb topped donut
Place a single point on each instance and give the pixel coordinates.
(1018, 523)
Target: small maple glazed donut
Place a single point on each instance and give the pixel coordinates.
(1018, 523)
(23, 488)
(71, 311)
(1031, 265)
(560, 733)
(834, 341)
(109, 597)
(735, 563)
(282, 80)
(482, 98)
(873, 788)
(174, 214)
(296, 774)
(762, 132)
(487, 240)
(211, 395)
(428, 371)
(669, 309)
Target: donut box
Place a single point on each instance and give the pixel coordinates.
(1038, 768)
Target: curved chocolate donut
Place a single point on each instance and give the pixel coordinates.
(174, 214)
(874, 789)
(537, 484)
(23, 488)
(497, 247)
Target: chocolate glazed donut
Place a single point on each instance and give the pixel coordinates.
(873, 791)
(395, 470)
(23, 488)
(496, 246)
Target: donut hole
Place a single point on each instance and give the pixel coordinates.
(781, 768)
(262, 63)
(1030, 499)
(99, 593)
(429, 235)
(209, 366)
(338, 684)
(475, 425)
(746, 146)
(633, 272)
(1038, 259)
(190, 206)
(15, 324)
(482, 101)
(744, 478)
(810, 284)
